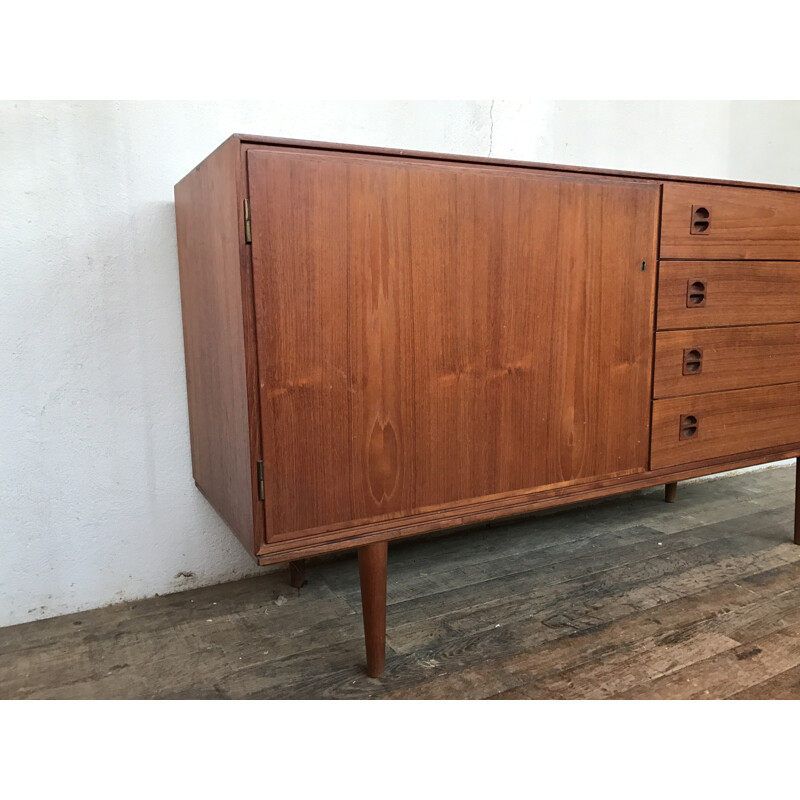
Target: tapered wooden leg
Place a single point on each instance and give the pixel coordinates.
(297, 573)
(670, 491)
(797, 501)
(372, 571)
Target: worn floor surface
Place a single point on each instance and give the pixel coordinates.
(626, 598)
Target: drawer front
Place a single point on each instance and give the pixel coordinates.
(703, 294)
(688, 429)
(719, 359)
(706, 221)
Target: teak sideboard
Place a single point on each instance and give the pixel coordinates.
(385, 343)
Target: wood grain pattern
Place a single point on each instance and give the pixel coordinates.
(517, 505)
(524, 332)
(249, 140)
(723, 566)
(732, 358)
(736, 293)
(250, 357)
(731, 671)
(331, 237)
(372, 563)
(744, 223)
(419, 343)
(208, 230)
(299, 220)
(526, 338)
(380, 344)
(728, 423)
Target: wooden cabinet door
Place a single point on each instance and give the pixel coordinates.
(533, 308)
(334, 316)
(432, 333)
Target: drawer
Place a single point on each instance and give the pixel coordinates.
(717, 359)
(708, 294)
(704, 426)
(706, 221)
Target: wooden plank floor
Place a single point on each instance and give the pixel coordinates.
(626, 598)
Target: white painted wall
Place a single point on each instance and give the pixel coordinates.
(749, 141)
(97, 502)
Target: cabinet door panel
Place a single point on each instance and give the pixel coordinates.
(298, 208)
(433, 333)
(532, 325)
(379, 339)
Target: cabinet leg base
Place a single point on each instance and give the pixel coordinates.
(297, 573)
(372, 571)
(670, 492)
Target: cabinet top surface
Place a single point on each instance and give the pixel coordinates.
(248, 139)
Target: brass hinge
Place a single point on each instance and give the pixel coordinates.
(260, 470)
(247, 235)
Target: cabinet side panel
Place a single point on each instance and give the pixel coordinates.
(207, 221)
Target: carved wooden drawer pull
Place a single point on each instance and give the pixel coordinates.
(701, 219)
(692, 361)
(689, 426)
(695, 293)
